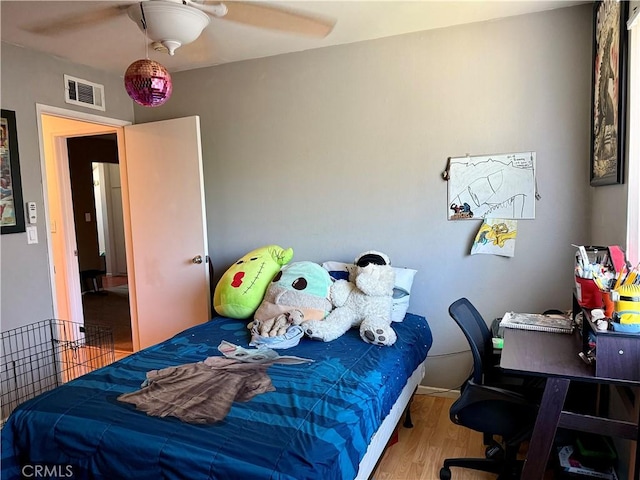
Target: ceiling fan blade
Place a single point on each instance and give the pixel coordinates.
(78, 21)
(259, 14)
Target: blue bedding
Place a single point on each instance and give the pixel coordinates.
(315, 425)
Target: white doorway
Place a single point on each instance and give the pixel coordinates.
(96, 194)
(56, 126)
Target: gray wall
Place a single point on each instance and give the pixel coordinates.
(28, 78)
(340, 150)
(352, 140)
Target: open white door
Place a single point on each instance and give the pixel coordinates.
(167, 227)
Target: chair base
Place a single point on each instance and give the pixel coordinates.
(505, 470)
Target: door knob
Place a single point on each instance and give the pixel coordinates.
(197, 259)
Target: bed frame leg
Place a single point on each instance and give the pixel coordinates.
(407, 412)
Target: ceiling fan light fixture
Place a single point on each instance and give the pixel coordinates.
(171, 24)
(148, 83)
(171, 46)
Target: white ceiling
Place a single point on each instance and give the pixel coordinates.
(115, 43)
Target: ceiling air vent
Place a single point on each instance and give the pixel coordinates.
(81, 92)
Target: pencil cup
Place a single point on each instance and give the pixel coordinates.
(607, 304)
(588, 293)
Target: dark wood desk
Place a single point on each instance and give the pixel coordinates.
(555, 356)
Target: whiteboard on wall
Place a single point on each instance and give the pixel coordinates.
(492, 186)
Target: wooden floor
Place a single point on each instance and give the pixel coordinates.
(421, 450)
(110, 306)
(120, 354)
(109, 281)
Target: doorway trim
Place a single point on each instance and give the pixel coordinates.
(62, 170)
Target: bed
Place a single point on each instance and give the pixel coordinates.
(328, 419)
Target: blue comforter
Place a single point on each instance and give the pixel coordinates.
(315, 425)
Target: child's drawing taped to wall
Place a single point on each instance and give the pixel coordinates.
(492, 186)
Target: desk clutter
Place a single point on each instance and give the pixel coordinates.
(589, 456)
(553, 358)
(606, 283)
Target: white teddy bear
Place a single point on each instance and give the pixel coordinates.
(365, 300)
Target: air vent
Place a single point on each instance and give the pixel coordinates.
(81, 92)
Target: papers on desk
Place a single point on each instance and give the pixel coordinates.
(538, 322)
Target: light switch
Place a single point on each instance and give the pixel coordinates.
(87, 217)
(32, 234)
(32, 212)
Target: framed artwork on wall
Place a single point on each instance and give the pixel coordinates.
(11, 207)
(608, 92)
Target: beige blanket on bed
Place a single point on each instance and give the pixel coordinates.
(200, 392)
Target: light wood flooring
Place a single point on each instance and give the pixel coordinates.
(421, 450)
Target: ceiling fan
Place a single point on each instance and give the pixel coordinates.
(170, 24)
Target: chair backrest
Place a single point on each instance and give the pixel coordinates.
(478, 334)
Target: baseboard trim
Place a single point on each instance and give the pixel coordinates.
(438, 392)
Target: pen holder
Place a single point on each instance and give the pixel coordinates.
(588, 293)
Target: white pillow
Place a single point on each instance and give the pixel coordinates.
(401, 289)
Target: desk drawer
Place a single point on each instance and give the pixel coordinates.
(618, 357)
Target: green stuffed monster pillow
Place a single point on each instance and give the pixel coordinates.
(240, 290)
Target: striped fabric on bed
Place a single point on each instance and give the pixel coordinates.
(315, 425)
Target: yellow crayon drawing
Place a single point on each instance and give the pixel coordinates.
(493, 236)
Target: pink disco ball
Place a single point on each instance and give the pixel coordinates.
(148, 83)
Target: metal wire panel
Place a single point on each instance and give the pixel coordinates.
(40, 356)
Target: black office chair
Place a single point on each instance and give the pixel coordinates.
(488, 409)
(466, 315)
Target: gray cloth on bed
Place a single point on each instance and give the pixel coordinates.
(200, 392)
